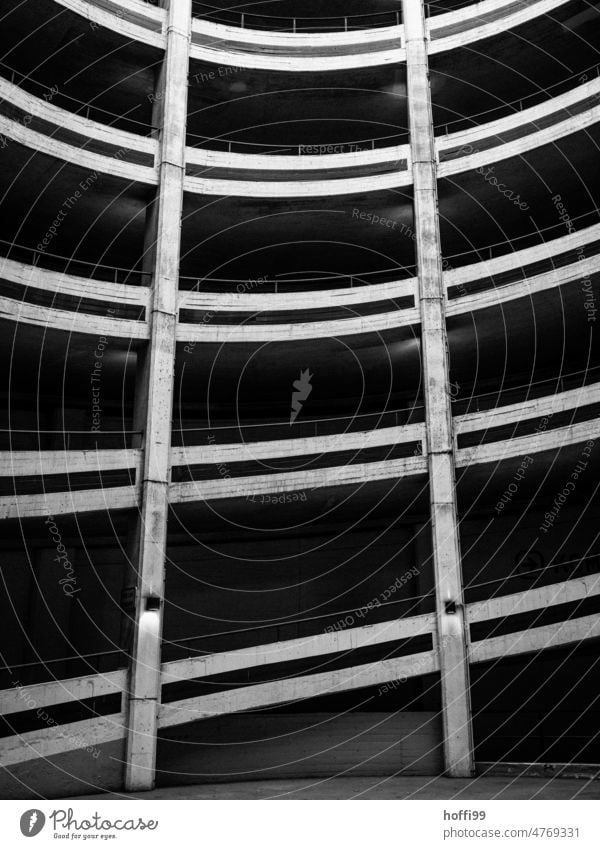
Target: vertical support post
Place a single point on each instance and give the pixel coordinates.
(154, 402)
(451, 626)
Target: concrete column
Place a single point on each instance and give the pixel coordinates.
(155, 400)
(452, 638)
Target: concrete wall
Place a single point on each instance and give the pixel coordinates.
(269, 746)
(81, 615)
(95, 769)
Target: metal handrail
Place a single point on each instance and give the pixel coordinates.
(114, 270)
(296, 149)
(305, 23)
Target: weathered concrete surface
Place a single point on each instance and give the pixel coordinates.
(451, 631)
(155, 401)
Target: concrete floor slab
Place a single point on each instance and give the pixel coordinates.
(400, 787)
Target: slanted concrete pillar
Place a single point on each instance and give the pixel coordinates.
(452, 644)
(154, 402)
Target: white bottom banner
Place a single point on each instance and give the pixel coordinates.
(299, 824)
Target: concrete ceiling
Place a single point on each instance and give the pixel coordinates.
(277, 108)
(247, 238)
(473, 213)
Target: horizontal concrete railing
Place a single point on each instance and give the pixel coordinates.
(484, 20)
(243, 451)
(76, 156)
(219, 487)
(566, 633)
(19, 464)
(539, 598)
(569, 112)
(86, 305)
(31, 696)
(457, 151)
(57, 739)
(76, 321)
(549, 440)
(297, 689)
(145, 22)
(52, 120)
(111, 151)
(345, 640)
(326, 158)
(62, 503)
(230, 46)
(58, 283)
(132, 19)
(282, 444)
(519, 260)
(255, 21)
(48, 742)
(237, 46)
(65, 301)
(25, 463)
(536, 408)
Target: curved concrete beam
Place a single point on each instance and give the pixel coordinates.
(62, 503)
(115, 140)
(80, 157)
(132, 19)
(46, 280)
(21, 312)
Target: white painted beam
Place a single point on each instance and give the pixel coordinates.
(476, 13)
(112, 137)
(535, 599)
(239, 452)
(76, 156)
(63, 283)
(547, 405)
(296, 689)
(60, 462)
(560, 437)
(135, 20)
(62, 503)
(301, 482)
(58, 739)
(250, 298)
(522, 258)
(347, 639)
(31, 696)
(536, 639)
(251, 332)
(297, 188)
(35, 315)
